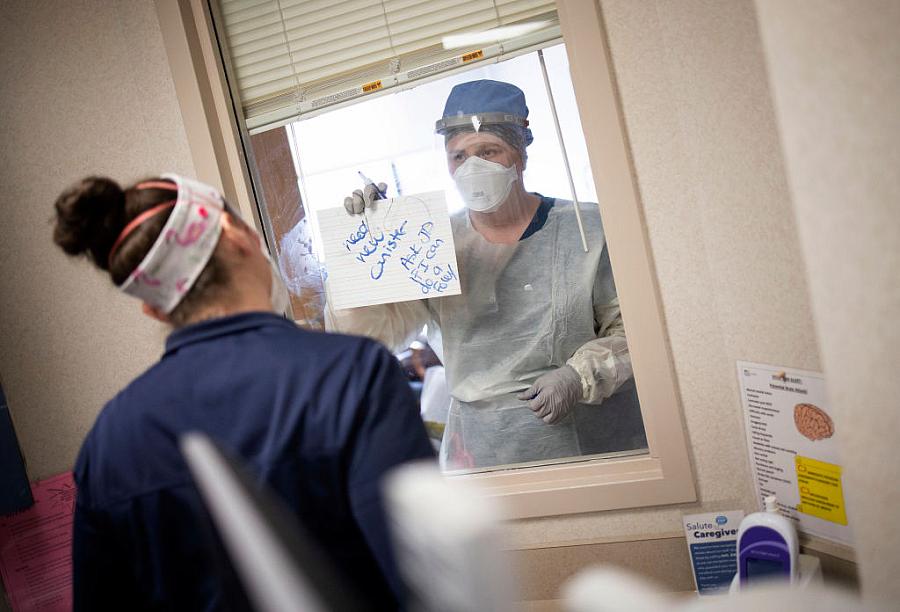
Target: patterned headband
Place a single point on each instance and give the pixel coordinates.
(183, 247)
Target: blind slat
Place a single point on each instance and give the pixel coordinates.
(324, 10)
(253, 12)
(342, 30)
(263, 32)
(231, 7)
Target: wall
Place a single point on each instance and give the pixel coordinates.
(833, 66)
(86, 90)
(91, 92)
(699, 117)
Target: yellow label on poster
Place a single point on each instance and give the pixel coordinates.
(821, 494)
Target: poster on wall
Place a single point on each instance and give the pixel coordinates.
(36, 549)
(794, 454)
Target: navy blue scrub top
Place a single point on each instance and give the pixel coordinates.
(319, 418)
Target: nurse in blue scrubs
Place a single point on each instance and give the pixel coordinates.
(318, 418)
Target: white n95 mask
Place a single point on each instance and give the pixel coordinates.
(484, 185)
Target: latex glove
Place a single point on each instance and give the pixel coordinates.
(361, 199)
(553, 395)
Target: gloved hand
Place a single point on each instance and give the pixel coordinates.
(553, 395)
(361, 199)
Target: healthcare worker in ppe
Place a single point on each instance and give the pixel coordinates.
(535, 352)
(317, 418)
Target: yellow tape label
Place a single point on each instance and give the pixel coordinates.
(474, 55)
(821, 493)
(368, 87)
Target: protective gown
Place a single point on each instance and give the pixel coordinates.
(525, 309)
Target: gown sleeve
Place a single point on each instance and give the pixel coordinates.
(604, 363)
(394, 325)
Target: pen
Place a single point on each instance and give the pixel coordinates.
(381, 194)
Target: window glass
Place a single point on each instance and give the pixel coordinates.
(392, 137)
(530, 364)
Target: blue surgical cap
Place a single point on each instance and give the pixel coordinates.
(486, 96)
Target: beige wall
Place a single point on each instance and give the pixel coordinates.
(835, 73)
(699, 116)
(702, 130)
(86, 89)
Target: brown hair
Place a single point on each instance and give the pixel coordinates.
(91, 214)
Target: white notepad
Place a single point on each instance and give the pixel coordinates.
(401, 249)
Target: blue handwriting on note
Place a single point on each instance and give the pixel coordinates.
(359, 235)
(367, 243)
(430, 278)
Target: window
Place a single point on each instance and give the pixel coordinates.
(392, 137)
(481, 423)
(660, 476)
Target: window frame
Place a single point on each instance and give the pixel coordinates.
(222, 156)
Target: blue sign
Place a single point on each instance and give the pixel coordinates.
(712, 541)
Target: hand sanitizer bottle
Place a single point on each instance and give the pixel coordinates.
(767, 547)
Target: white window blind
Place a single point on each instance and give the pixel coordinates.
(293, 57)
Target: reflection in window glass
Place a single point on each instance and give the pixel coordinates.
(530, 364)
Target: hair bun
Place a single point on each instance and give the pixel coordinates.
(89, 217)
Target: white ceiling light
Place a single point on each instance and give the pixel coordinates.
(469, 39)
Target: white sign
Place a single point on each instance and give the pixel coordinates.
(793, 451)
(401, 249)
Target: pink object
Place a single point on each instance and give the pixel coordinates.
(140, 276)
(36, 549)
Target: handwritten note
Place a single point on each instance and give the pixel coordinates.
(36, 549)
(401, 249)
